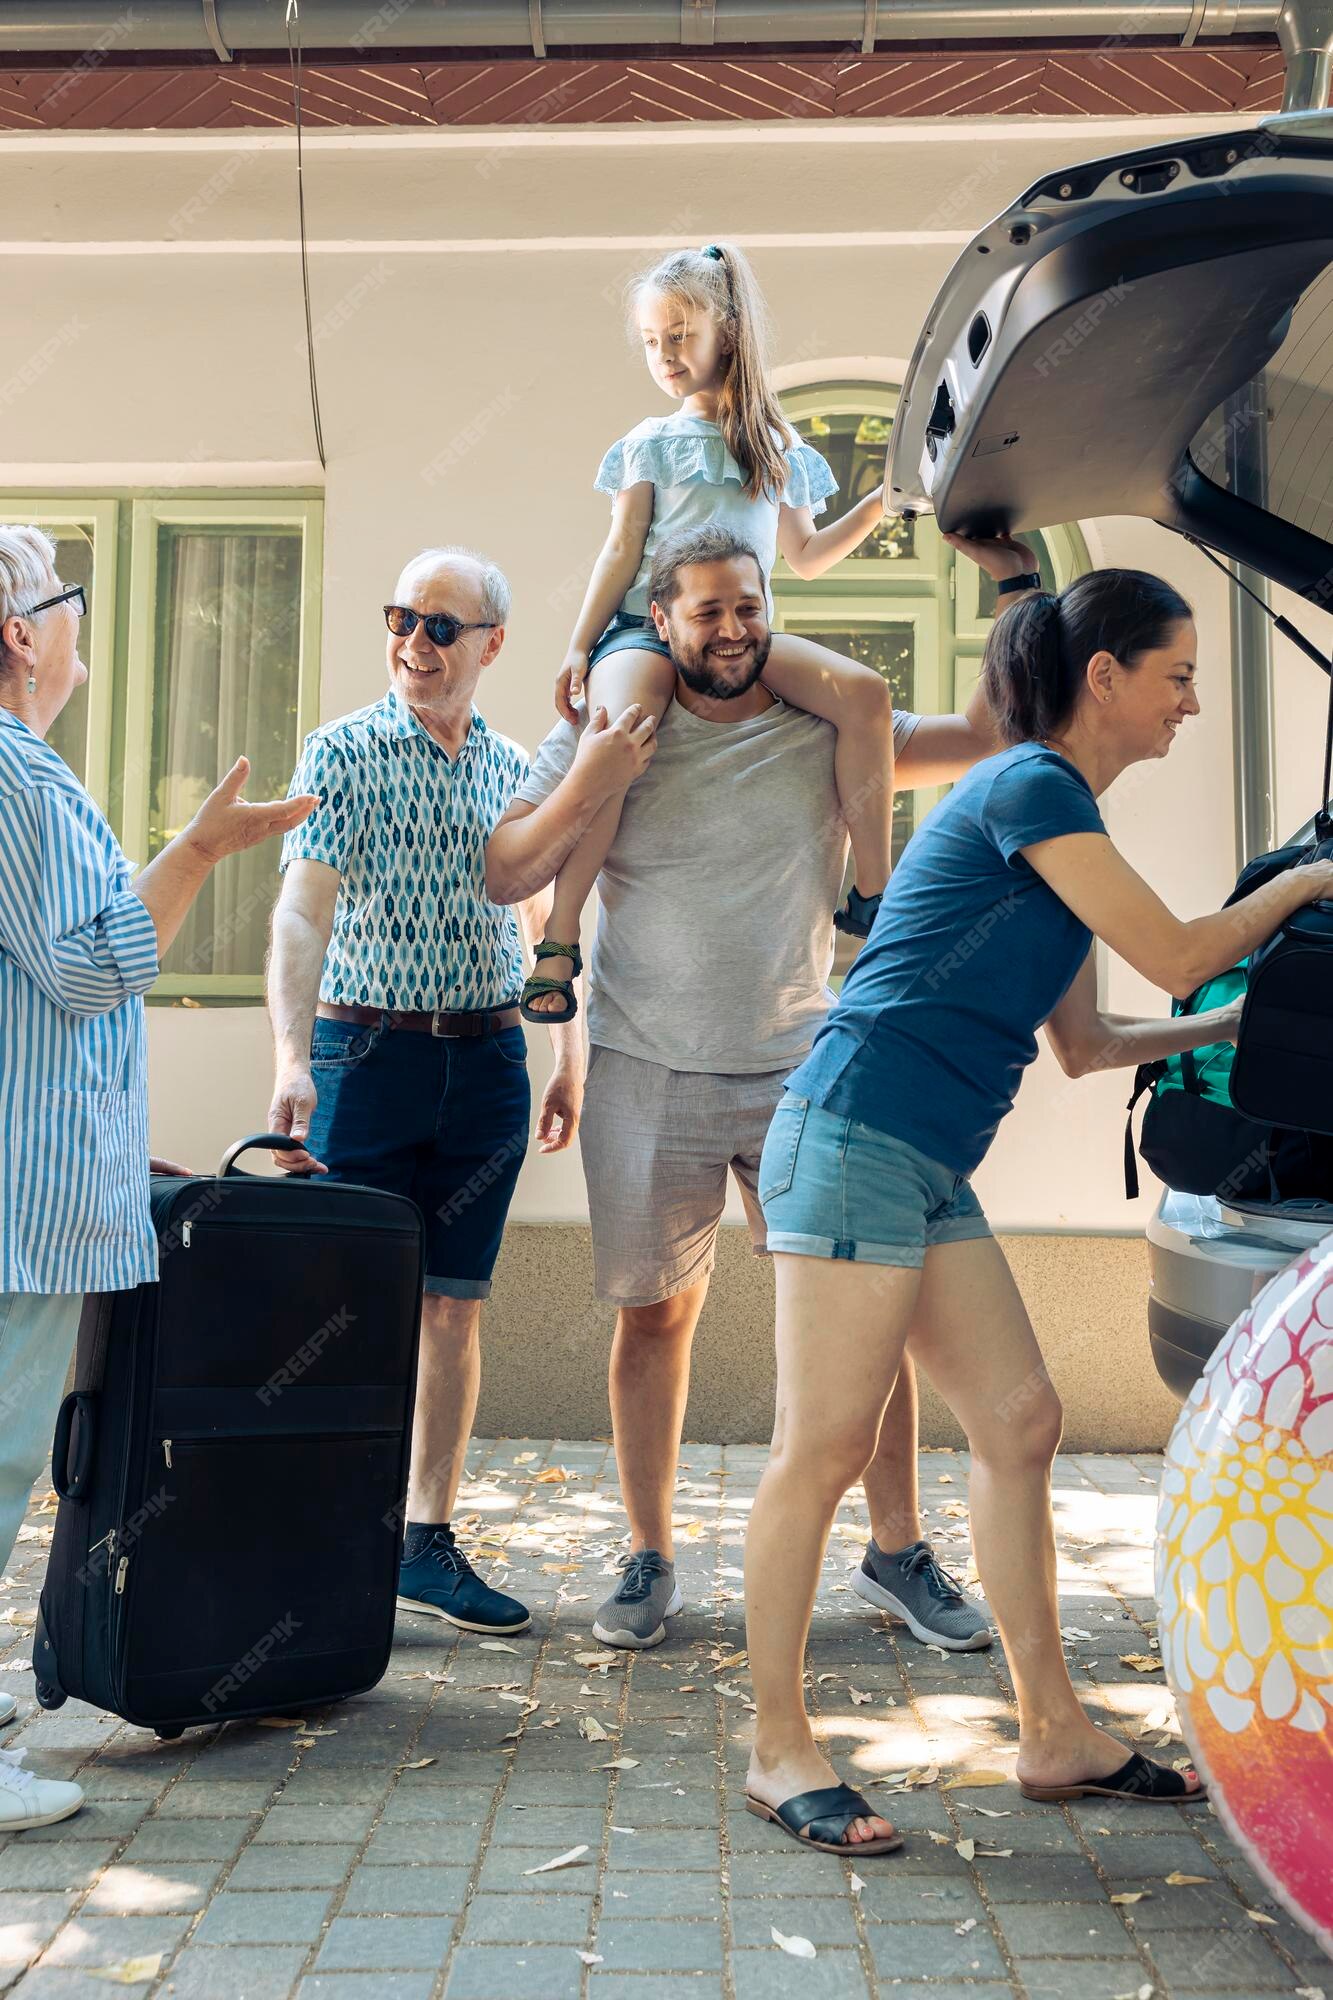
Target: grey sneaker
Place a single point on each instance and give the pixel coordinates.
(911, 1584)
(635, 1614)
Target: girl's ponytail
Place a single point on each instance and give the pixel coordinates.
(748, 412)
(718, 279)
(1038, 651)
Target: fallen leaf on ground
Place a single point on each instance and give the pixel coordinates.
(620, 1764)
(955, 1511)
(128, 1971)
(1074, 1632)
(551, 1722)
(940, 1839)
(25, 1620)
(497, 1646)
(971, 1779)
(859, 1700)
(591, 1957)
(569, 1860)
(988, 1812)
(857, 1885)
(591, 1730)
(795, 1947)
(994, 1853)
(968, 1924)
(1258, 1917)
(731, 1660)
(526, 1458)
(945, 1479)
(1142, 1663)
(967, 1848)
(554, 1475)
(520, 1700)
(560, 1569)
(1175, 1880)
(601, 1659)
(304, 1742)
(279, 1722)
(1131, 1896)
(419, 1764)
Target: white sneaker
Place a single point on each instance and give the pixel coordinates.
(26, 1800)
(9, 1708)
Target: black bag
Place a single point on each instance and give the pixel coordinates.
(1196, 1136)
(232, 1461)
(1283, 1072)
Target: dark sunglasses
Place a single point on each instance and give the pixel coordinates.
(442, 628)
(74, 595)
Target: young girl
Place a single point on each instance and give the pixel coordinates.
(726, 455)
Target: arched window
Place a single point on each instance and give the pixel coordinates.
(902, 602)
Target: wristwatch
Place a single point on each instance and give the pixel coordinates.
(1011, 583)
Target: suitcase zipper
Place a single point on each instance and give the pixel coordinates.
(166, 1449)
(121, 1568)
(289, 1228)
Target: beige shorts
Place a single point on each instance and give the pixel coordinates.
(657, 1144)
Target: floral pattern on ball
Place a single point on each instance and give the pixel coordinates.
(1244, 1572)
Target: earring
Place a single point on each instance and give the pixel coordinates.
(32, 683)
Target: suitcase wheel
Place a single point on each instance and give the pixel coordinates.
(48, 1696)
(169, 1731)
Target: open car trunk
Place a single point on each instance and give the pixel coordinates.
(1145, 334)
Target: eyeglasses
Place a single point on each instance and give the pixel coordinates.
(74, 595)
(442, 628)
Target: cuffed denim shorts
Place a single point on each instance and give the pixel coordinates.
(443, 1120)
(626, 633)
(833, 1188)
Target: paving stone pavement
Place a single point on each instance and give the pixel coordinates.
(392, 1858)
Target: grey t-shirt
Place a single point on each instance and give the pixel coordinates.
(715, 935)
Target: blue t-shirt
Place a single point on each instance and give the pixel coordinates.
(970, 952)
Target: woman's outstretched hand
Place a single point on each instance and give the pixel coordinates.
(999, 555)
(225, 823)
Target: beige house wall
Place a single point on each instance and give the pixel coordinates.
(473, 367)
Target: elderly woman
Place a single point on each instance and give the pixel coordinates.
(79, 946)
(984, 936)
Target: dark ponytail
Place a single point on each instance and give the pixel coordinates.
(1038, 651)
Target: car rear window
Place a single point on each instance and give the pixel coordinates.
(1272, 441)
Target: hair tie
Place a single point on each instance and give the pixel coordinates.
(711, 250)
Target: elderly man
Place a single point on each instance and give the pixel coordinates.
(706, 984)
(393, 988)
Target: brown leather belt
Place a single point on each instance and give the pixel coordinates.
(441, 1022)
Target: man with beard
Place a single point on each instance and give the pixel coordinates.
(707, 981)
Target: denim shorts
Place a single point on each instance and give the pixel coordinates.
(443, 1120)
(627, 633)
(833, 1188)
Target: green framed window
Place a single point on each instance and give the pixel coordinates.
(902, 602)
(202, 645)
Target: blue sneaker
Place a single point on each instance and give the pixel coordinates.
(442, 1582)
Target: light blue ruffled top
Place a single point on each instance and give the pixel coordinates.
(697, 483)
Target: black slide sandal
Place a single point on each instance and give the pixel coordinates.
(1138, 1781)
(818, 1819)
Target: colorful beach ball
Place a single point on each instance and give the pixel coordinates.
(1245, 1583)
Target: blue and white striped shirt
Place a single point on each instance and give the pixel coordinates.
(77, 951)
(406, 826)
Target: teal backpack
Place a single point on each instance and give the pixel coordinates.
(1193, 1137)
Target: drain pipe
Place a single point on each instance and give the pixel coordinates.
(195, 30)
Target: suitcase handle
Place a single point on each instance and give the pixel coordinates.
(72, 1446)
(268, 1142)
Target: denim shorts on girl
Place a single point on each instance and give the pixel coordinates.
(833, 1188)
(625, 633)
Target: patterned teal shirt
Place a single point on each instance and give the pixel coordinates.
(406, 827)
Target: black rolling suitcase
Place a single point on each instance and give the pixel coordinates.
(232, 1460)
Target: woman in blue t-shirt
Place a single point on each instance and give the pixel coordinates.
(984, 936)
